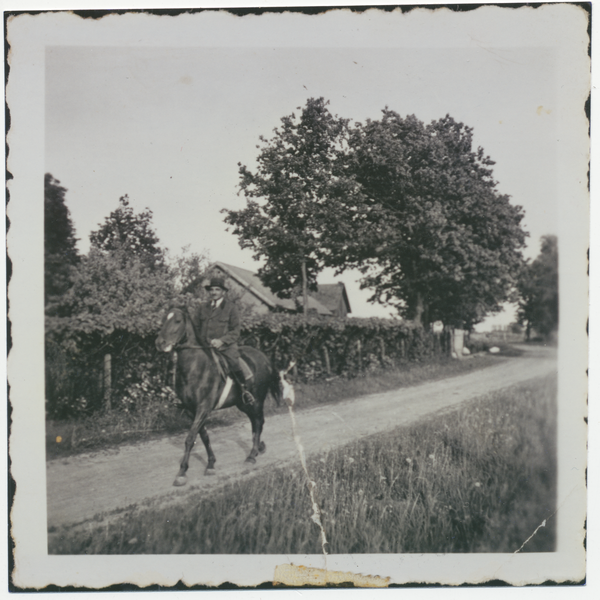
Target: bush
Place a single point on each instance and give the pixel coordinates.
(147, 390)
(75, 372)
(476, 346)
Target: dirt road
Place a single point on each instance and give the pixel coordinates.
(82, 487)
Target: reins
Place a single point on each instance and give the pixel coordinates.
(208, 349)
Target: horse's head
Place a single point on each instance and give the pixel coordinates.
(173, 330)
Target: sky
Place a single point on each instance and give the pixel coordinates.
(168, 125)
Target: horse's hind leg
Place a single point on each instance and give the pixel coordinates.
(190, 440)
(257, 419)
(210, 468)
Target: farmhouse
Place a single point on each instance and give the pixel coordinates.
(331, 300)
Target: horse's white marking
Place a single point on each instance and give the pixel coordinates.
(225, 393)
(169, 316)
(288, 393)
(168, 348)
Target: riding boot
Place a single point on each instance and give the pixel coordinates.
(239, 378)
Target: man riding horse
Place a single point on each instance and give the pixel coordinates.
(218, 325)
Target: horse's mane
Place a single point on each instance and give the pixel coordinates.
(186, 314)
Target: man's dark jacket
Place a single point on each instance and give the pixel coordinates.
(221, 323)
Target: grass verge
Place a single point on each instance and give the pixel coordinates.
(481, 478)
(157, 417)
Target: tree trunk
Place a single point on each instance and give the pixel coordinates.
(419, 308)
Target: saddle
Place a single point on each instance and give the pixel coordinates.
(224, 369)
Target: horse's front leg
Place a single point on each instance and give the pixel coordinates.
(197, 425)
(210, 468)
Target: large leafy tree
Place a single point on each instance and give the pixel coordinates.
(131, 234)
(113, 292)
(538, 289)
(60, 243)
(294, 191)
(118, 292)
(122, 284)
(428, 229)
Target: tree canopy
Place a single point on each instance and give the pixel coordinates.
(429, 230)
(189, 271)
(113, 291)
(124, 230)
(295, 189)
(123, 283)
(414, 207)
(60, 243)
(538, 289)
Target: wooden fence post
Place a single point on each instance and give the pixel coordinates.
(382, 347)
(327, 363)
(107, 380)
(358, 349)
(174, 370)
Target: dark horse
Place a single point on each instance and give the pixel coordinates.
(199, 385)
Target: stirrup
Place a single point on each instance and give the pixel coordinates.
(247, 398)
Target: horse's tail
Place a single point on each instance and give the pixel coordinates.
(275, 386)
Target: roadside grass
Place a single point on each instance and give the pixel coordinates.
(158, 417)
(480, 478)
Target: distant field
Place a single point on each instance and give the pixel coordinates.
(157, 417)
(480, 478)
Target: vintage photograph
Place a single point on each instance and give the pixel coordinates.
(302, 291)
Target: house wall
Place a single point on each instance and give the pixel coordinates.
(340, 309)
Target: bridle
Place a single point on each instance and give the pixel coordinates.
(177, 345)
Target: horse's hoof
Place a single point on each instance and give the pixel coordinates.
(251, 459)
(210, 471)
(179, 481)
(262, 447)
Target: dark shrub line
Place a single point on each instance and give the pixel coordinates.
(76, 377)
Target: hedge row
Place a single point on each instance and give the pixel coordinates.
(325, 347)
(77, 382)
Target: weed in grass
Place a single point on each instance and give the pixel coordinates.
(478, 479)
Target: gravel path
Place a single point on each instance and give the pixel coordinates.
(87, 486)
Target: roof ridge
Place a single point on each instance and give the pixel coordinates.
(230, 269)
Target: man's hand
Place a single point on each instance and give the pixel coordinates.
(216, 343)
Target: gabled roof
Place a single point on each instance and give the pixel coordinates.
(251, 282)
(332, 295)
